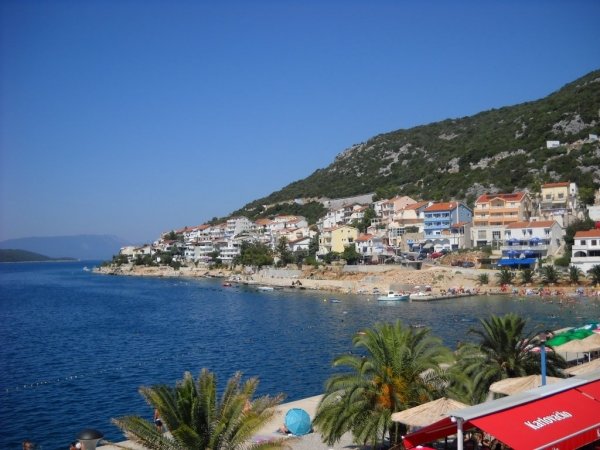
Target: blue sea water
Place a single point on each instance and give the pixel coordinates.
(76, 345)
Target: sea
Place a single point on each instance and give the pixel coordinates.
(77, 345)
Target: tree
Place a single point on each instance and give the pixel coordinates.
(254, 254)
(313, 245)
(550, 275)
(483, 278)
(574, 274)
(526, 276)
(283, 250)
(594, 274)
(197, 420)
(503, 351)
(350, 255)
(505, 276)
(386, 377)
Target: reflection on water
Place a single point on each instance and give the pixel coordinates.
(78, 345)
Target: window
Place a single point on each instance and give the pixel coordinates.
(548, 196)
(547, 231)
(594, 242)
(583, 242)
(481, 234)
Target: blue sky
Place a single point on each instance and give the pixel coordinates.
(136, 117)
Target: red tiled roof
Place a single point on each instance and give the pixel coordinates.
(446, 206)
(588, 234)
(486, 198)
(364, 237)
(416, 205)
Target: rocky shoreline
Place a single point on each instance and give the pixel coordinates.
(345, 279)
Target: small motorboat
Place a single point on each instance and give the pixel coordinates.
(334, 300)
(393, 296)
(227, 284)
(420, 295)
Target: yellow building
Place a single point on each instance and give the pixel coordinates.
(337, 239)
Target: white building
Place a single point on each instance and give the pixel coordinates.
(586, 249)
(526, 242)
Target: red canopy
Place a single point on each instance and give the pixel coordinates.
(561, 420)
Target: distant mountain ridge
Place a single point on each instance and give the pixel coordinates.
(499, 150)
(84, 247)
(16, 255)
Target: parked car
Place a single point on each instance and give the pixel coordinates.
(468, 264)
(435, 255)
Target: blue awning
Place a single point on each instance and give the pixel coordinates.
(516, 261)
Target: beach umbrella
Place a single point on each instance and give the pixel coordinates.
(427, 413)
(584, 368)
(559, 340)
(297, 421)
(589, 344)
(510, 386)
(579, 333)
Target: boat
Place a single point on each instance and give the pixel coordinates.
(227, 284)
(265, 288)
(86, 269)
(334, 300)
(420, 295)
(393, 296)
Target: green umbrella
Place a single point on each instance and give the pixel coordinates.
(559, 340)
(581, 333)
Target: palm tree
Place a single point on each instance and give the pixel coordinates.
(503, 351)
(398, 369)
(550, 275)
(483, 278)
(594, 274)
(197, 420)
(574, 274)
(505, 276)
(526, 276)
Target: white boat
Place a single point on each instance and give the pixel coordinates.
(265, 288)
(420, 295)
(86, 269)
(393, 296)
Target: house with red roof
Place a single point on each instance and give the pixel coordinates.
(493, 212)
(586, 249)
(369, 246)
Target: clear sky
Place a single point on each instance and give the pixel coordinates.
(133, 117)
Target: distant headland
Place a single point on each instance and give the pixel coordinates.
(16, 255)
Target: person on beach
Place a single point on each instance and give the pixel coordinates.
(157, 421)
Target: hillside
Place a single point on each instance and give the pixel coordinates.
(14, 255)
(85, 247)
(457, 159)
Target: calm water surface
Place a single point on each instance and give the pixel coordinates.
(76, 345)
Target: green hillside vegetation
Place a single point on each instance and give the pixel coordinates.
(500, 150)
(14, 255)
